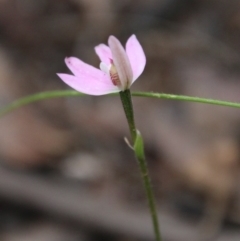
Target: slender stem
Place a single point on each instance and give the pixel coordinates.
(128, 109)
(139, 152)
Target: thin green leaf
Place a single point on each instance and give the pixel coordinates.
(72, 93)
(37, 97)
(187, 99)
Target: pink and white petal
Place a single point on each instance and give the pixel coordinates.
(78, 67)
(136, 56)
(91, 85)
(104, 53)
(121, 61)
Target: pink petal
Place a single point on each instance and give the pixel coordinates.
(136, 56)
(78, 67)
(121, 61)
(91, 84)
(104, 53)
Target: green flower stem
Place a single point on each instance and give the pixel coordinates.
(139, 152)
(128, 109)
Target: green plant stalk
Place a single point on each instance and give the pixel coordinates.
(138, 148)
(128, 110)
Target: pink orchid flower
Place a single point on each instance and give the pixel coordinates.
(119, 68)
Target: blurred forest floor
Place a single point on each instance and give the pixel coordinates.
(60, 155)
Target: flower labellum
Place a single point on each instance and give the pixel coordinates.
(119, 68)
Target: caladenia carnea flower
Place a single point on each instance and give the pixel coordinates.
(119, 68)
